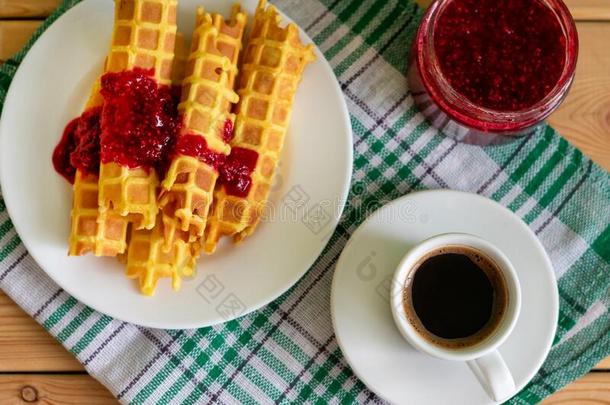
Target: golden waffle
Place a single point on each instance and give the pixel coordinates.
(148, 260)
(144, 37)
(207, 95)
(273, 64)
(181, 54)
(144, 260)
(104, 234)
(128, 192)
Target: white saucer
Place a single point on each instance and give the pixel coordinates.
(363, 323)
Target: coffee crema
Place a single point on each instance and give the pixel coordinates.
(455, 296)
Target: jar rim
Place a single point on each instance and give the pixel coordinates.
(475, 116)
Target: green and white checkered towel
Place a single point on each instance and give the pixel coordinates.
(279, 353)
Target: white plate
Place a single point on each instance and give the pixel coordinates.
(363, 323)
(51, 87)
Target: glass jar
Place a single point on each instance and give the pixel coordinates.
(485, 70)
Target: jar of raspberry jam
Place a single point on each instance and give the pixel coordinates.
(481, 70)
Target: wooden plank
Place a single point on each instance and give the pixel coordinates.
(589, 10)
(584, 117)
(13, 35)
(603, 365)
(581, 9)
(593, 388)
(22, 389)
(80, 389)
(27, 8)
(26, 346)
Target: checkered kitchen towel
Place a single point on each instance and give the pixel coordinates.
(287, 351)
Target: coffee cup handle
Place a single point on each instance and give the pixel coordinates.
(494, 375)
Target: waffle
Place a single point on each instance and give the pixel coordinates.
(144, 259)
(148, 260)
(181, 53)
(273, 64)
(104, 234)
(144, 37)
(207, 95)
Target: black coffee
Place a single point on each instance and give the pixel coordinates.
(455, 296)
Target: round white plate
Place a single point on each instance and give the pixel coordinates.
(363, 323)
(51, 87)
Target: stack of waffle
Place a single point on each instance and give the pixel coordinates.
(150, 256)
(191, 208)
(171, 248)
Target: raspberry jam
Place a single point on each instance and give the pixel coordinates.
(196, 146)
(139, 119)
(234, 170)
(510, 77)
(227, 130)
(484, 67)
(236, 173)
(138, 126)
(79, 146)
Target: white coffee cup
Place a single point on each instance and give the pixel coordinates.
(483, 357)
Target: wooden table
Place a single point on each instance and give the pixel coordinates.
(33, 365)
